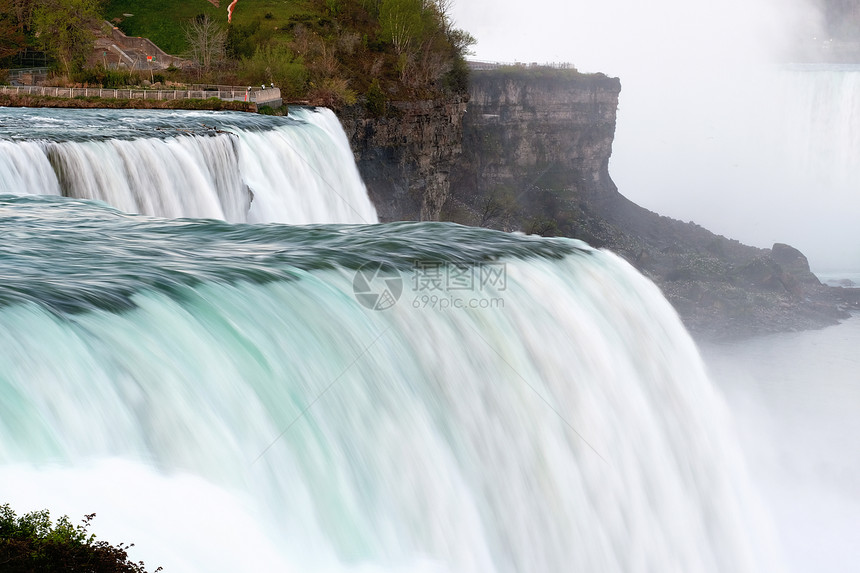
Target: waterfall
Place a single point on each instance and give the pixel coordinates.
(230, 166)
(515, 404)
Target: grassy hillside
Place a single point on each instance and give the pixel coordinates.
(159, 20)
(162, 21)
(329, 51)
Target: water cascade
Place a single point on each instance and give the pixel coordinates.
(405, 397)
(231, 166)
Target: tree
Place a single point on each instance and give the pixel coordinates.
(207, 41)
(64, 29)
(402, 23)
(32, 542)
(444, 8)
(277, 65)
(22, 9)
(462, 41)
(11, 38)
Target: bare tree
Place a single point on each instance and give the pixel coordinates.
(206, 41)
(444, 8)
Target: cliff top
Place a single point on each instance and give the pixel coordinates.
(328, 52)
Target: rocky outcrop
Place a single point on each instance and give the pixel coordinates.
(530, 152)
(528, 132)
(405, 156)
(535, 158)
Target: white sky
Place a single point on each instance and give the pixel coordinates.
(705, 131)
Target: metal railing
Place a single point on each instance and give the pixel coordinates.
(480, 65)
(228, 95)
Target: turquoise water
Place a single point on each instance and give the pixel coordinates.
(182, 376)
(233, 393)
(72, 255)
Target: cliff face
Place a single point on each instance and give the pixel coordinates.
(527, 133)
(531, 153)
(405, 158)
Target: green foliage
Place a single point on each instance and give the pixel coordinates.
(402, 23)
(105, 78)
(161, 20)
(461, 41)
(456, 80)
(243, 39)
(333, 92)
(277, 65)
(326, 49)
(63, 28)
(269, 110)
(12, 39)
(371, 7)
(376, 103)
(334, 6)
(524, 72)
(33, 544)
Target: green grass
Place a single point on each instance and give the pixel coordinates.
(162, 21)
(341, 52)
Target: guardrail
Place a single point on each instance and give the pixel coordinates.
(27, 76)
(23, 71)
(480, 65)
(261, 96)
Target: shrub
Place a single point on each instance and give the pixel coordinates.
(277, 65)
(376, 102)
(332, 92)
(100, 76)
(33, 544)
(457, 78)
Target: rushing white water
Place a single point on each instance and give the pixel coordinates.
(230, 166)
(219, 395)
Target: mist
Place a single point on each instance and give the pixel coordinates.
(794, 398)
(714, 124)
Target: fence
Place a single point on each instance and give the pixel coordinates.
(479, 66)
(239, 94)
(27, 76)
(30, 59)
